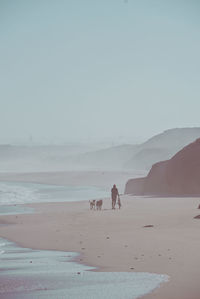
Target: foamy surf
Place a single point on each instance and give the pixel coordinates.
(12, 193)
(17, 193)
(27, 273)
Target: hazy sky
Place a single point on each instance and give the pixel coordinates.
(93, 69)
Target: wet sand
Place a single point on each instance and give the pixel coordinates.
(31, 274)
(157, 235)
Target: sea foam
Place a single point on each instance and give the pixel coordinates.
(22, 193)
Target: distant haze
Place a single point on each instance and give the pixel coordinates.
(98, 70)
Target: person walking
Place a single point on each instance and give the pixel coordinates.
(114, 194)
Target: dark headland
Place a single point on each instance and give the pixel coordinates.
(178, 176)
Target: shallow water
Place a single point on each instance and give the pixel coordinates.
(13, 194)
(26, 273)
(15, 209)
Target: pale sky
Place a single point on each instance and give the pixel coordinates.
(93, 69)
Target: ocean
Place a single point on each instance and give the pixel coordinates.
(14, 195)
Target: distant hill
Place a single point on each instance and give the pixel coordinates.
(179, 176)
(108, 158)
(139, 157)
(145, 158)
(15, 158)
(125, 157)
(173, 137)
(161, 147)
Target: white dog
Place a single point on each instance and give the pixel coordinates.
(92, 204)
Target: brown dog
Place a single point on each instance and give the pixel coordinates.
(99, 204)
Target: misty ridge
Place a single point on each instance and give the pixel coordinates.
(77, 157)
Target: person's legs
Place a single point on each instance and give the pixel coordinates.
(113, 203)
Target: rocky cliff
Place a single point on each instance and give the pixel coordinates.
(179, 176)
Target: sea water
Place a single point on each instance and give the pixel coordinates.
(13, 195)
(32, 274)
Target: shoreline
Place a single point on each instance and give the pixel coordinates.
(30, 262)
(126, 247)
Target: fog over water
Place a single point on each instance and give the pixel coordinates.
(109, 71)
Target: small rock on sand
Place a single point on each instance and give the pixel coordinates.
(148, 225)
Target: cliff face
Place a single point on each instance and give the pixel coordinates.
(135, 186)
(178, 176)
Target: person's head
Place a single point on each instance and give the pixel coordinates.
(114, 186)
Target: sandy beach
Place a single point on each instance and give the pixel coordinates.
(117, 240)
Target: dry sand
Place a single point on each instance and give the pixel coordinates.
(116, 240)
